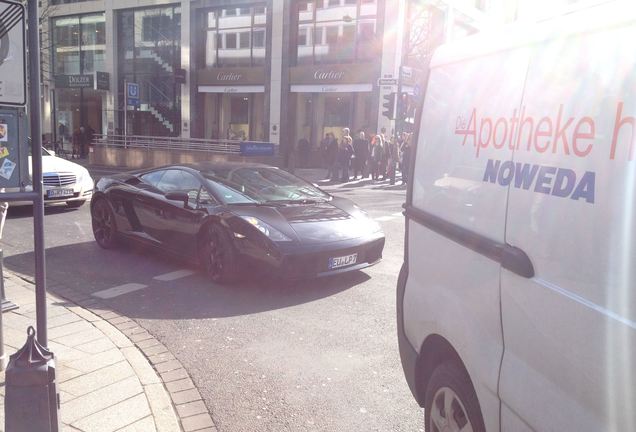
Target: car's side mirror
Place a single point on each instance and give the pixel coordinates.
(178, 196)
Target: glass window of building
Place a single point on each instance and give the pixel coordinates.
(149, 42)
(78, 48)
(234, 37)
(343, 31)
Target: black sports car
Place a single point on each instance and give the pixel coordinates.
(237, 218)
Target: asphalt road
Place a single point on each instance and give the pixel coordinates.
(314, 356)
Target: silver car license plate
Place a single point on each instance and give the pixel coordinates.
(342, 261)
(59, 193)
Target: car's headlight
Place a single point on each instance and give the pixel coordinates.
(271, 232)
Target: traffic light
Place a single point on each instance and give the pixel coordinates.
(389, 106)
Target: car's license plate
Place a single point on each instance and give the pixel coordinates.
(342, 261)
(59, 193)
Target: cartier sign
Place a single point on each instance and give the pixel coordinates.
(231, 76)
(334, 74)
(329, 75)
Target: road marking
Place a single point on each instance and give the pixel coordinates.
(119, 290)
(174, 275)
(384, 218)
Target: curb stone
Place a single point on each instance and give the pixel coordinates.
(172, 375)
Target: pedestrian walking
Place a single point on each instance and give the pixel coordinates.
(303, 151)
(361, 154)
(406, 158)
(376, 157)
(345, 152)
(76, 141)
(330, 155)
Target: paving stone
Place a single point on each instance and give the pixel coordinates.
(186, 396)
(154, 350)
(119, 320)
(161, 407)
(174, 375)
(142, 368)
(60, 320)
(126, 325)
(160, 358)
(138, 337)
(96, 346)
(180, 385)
(197, 422)
(80, 338)
(108, 315)
(64, 353)
(69, 329)
(93, 362)
(65, 373)
(98, 400)
(147, 343)
(83, 313)
(146, 424)
(100, 378)
(117, 337)
(192, 408)
(168, 366)
(117, 416)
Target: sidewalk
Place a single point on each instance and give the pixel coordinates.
(104, 381)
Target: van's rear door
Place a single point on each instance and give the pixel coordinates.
(456, 220)
(570, 332)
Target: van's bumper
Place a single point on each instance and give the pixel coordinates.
(408, 354)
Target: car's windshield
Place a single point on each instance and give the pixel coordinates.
(262, 185)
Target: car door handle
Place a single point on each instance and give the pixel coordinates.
(517, 261)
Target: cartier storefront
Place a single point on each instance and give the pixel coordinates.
(232, 101)
(328, 98)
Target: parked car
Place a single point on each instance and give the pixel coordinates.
(516, 303)
(64, 182)
(237, 217)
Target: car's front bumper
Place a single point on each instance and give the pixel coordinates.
(79, 194)
(299, 261)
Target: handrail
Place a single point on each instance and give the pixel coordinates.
(221, 146)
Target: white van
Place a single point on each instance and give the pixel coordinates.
(517, 297)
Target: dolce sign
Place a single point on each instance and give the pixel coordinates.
(74, 81)
(331, 75)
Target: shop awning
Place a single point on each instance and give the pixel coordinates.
(331, 88)
(232, 89)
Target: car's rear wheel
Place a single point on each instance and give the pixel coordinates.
(216, 254)
(103, 221)
(451, 404)
(75, 204)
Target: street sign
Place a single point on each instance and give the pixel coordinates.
(12, 54)
(132, 94)
(407, 72)
(387, 81)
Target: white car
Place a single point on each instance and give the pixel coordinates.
(65, 182)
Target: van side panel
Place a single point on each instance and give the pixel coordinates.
(451, 290)
(570, 332)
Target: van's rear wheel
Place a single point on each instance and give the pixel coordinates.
(451, 404)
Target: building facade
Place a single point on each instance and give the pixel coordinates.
(270, 70)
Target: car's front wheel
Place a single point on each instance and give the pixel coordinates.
(103, 221)
(75, 204)
(216, 254)
(451, 404)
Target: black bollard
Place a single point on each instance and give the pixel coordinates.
(31, 401)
